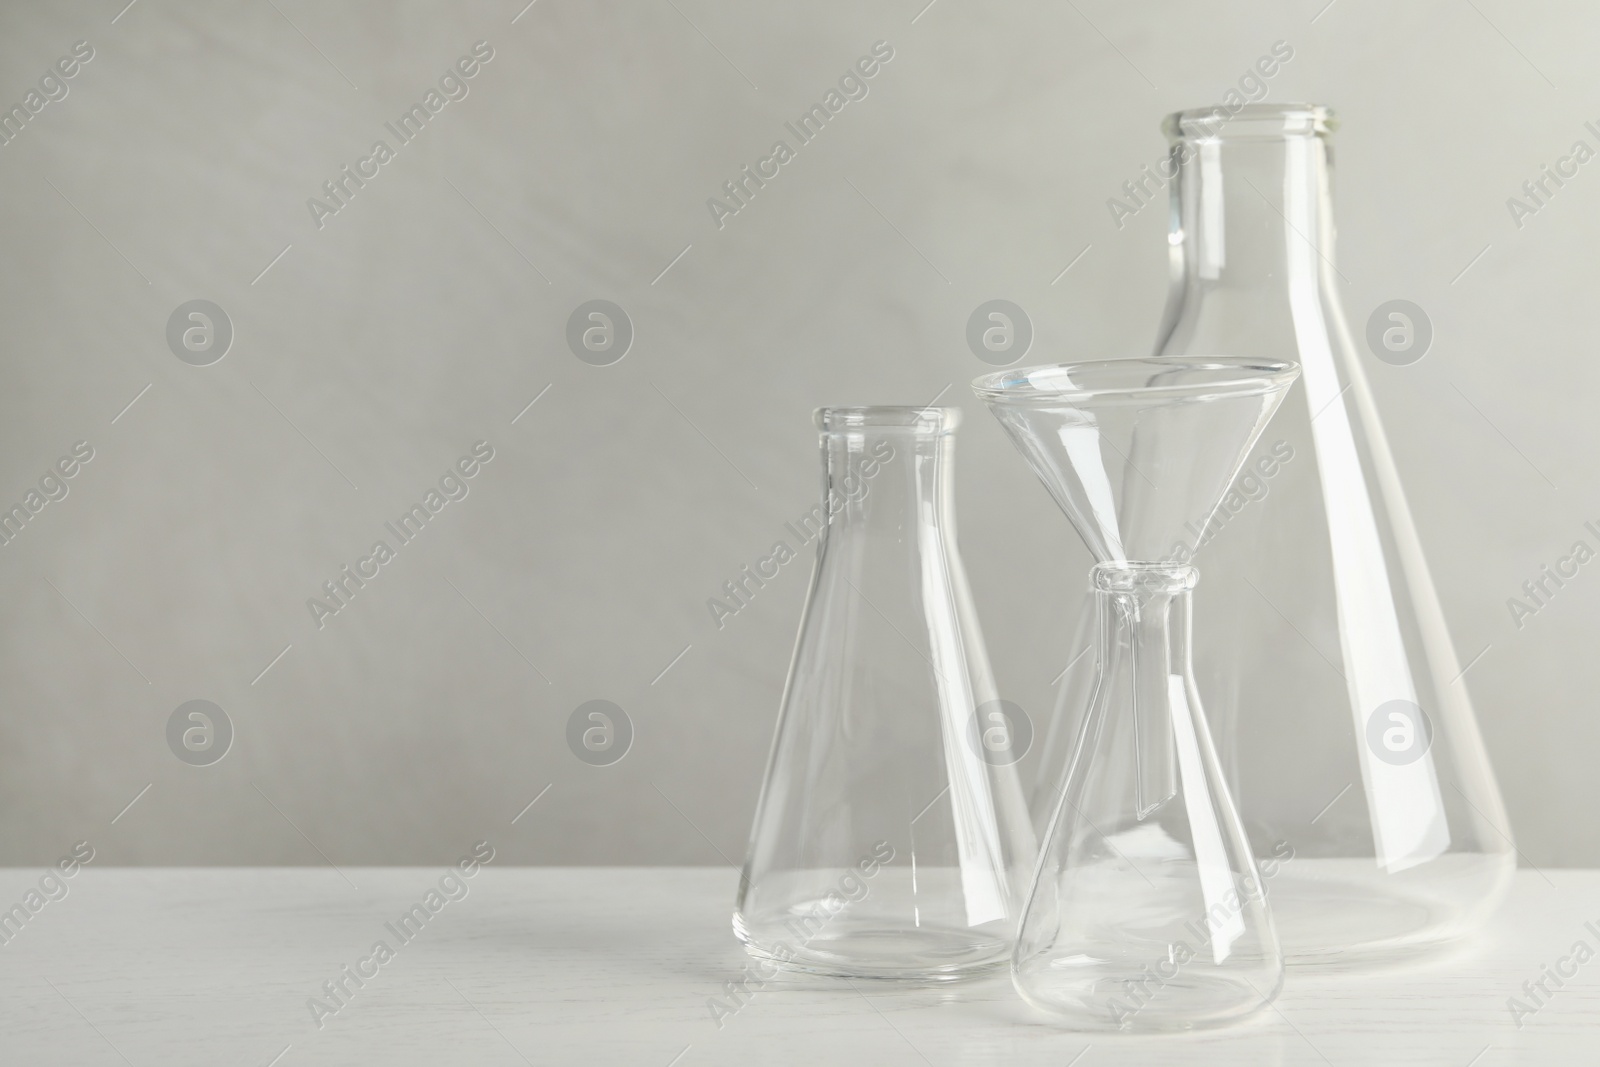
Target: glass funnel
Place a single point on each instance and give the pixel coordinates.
(1340, 705)
(1147, 910)
(892, 837)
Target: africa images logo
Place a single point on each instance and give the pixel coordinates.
(453, 85)
(852, 85)
(454, 484)
(741, 589)
(52, 87)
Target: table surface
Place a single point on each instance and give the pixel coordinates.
(620, 965)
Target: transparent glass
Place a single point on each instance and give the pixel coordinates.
(1147, 910)
(892, 837)
(1339, 702)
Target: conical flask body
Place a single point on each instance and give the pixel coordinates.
(892, 838)
(1340, 706)
(1148, 912)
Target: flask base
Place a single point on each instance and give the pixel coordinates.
(864, 948)
(1345, 914)
(1132, 1004)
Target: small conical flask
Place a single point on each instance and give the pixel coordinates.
(892, 837)
(1147, 911)
(1341, 707)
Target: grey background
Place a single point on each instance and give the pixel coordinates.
(423, 318)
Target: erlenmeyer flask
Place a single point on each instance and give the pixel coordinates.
(1147, 911)
(892, 838)
(1341, 713)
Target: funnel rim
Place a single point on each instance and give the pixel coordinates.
(1111, 380)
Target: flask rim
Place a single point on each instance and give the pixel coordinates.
(919, 418)
(1251, 122)
(1136, 381)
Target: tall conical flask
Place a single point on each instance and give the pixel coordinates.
(892, 838)
(1339, 702)
(1147, 911)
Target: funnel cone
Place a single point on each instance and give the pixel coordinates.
(1138, 452)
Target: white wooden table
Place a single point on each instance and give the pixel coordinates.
(618, 966)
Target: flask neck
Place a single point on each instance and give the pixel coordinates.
(886, 477)
(1145, 664)
(1250, 234)
(1145, 610)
